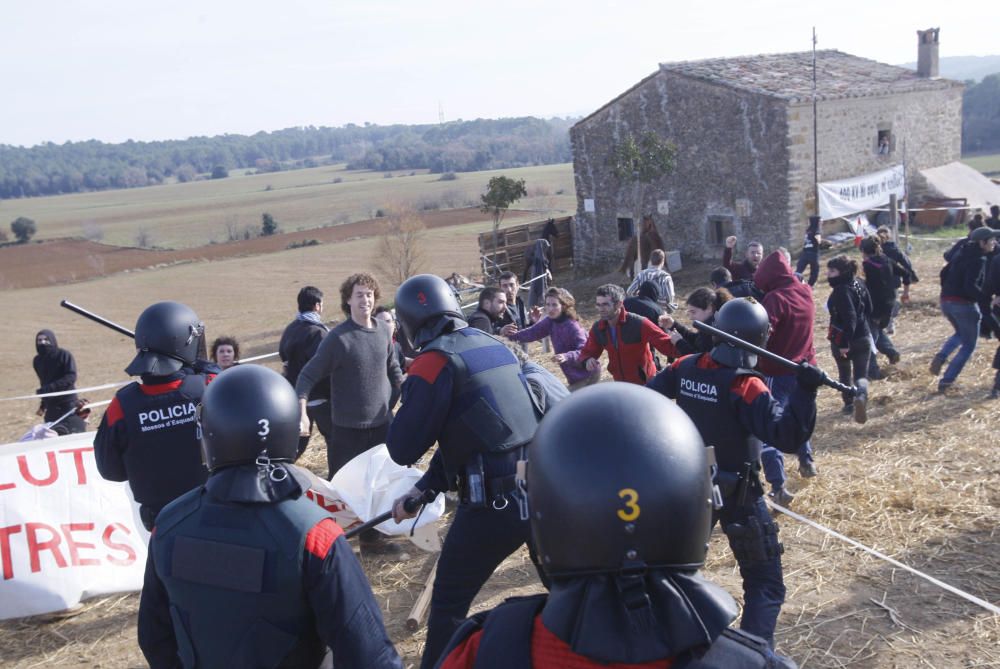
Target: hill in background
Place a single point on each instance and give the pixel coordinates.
(965, 68)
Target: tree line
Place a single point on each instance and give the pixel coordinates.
(458, 146)
(981, 116)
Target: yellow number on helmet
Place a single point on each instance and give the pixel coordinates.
(631, 510)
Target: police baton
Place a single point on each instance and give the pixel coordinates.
(410, 504)
(97, 319)
(773, 357)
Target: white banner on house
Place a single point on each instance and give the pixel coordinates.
(66, 534)
(849, 196)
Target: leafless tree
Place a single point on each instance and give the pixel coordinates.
(400, 248)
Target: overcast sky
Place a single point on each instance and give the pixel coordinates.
(120, 69)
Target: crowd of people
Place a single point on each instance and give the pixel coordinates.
(243, 569)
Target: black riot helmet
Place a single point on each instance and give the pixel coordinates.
(747, 319)
(420, 301)
(167, 335)
(248, 412)
(618, 479)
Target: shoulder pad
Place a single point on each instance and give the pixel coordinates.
(179, 509)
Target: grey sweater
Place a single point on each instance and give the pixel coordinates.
(363, 370)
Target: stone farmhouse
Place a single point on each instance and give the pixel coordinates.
(743, 128)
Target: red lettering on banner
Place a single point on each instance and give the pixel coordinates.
(76, 546)
(331, 506)
(35, 547)
(5, 532)
(124, 548)
(81, 471)
(22, 465)
(6, 486)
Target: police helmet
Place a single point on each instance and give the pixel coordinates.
(167, 335)
(747, 319)
(618, 479)
(421, 299)
(247, 412)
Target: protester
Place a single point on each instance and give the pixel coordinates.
(810, 251)
(515, 312)
(993, 289)
(880, 282)
(622, 533)
(562, 325)
(660, 277)
(360, 360)
(850, 308)
(626, 337)
(547, 389)
(465, 392)
(491, 312)
(993, 221)
(225, 352)
(148, 434)
(702, 305)
(752, 257)
(297, 346)
(732, 409)
(384, 314)
(902, 269)
(963, 280)
(722, 278)
(791, 311)
(56, 371)
(645, 303)
(246, 571)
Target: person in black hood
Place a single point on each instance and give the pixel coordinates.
(850, 308)
(881, 285)
(56, 370)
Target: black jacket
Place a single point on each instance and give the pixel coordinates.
(56, 371)
(298, 345)
(902, 268)
(850, 306)
(964, 277)
(881, 284)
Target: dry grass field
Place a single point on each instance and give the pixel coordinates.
(200, 212)
(919, 482)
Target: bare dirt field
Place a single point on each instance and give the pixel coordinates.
(67, 260)
(919, 482)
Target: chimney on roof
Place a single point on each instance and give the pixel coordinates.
(927, 53)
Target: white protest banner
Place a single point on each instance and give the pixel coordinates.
(845, 197)
(66, 534)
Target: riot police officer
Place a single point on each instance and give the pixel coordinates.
(148, 434)
(621, 515)
(733, 410)
(465, 390)
(246, 571)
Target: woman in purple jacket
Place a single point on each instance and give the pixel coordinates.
(563, 326)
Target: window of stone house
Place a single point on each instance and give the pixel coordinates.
(884, 142)
(719, 227)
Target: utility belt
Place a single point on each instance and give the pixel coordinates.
(740, 488)
(478, 488)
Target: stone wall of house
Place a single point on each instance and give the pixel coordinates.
(925, 129)
(731, 169)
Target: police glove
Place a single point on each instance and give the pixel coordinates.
(810, 377)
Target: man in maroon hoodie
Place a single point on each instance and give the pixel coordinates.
(791, 311)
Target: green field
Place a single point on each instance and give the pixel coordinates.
(197, 213)
(988, 164)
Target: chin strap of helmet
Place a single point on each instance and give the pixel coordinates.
(631, 584)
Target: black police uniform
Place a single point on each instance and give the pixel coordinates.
(246, 571)
(467, 392)
(148, 437)
(734, 412)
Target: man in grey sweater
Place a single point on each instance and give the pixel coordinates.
(359, 358)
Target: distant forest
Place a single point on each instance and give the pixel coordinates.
(981, 116)
(458, 146)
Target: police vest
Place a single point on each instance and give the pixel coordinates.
(506, 642)
(704, 396)
(233, 573)
(492, 410)
(163, 457)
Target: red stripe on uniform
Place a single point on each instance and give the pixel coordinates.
(428, 365)
(322, 536)
(114, 412)
(749, 387)
(160, 388)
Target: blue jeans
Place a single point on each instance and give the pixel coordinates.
(771, 459)
(964, 317)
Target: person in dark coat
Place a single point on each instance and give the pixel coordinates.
(297, 346)
(702, 305)
(850, 309)
(723, 278)
(490, 315)
(56, 371)
(752, 258)
(881, 284)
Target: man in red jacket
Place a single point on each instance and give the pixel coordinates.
(791, 311)
(626, 337)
